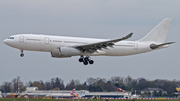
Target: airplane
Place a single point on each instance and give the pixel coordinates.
(63, 95)
(63, 46)
(121, 90)
(80, 95)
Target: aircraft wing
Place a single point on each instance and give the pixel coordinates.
(93, 47)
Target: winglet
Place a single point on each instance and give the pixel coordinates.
(123, 38)
(128, 36)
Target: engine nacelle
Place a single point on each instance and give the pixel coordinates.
(69, 51)
(65, 52)
(56, 55)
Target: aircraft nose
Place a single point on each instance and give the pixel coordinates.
(5, 41)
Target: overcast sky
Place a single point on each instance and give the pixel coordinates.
(88, 18)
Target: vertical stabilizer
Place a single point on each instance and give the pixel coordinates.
(72, 92)
(159, 33)
(177, 88)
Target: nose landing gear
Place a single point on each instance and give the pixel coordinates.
(22, 54)
(86, 60)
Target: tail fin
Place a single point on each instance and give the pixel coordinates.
(72, 92)
(81, 94)
(177, 85)
(177, 88)
(159, 33)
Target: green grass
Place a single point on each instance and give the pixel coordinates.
(33, 99)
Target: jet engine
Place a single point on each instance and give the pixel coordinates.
(66, 52)
(56, 55)
(69, 51)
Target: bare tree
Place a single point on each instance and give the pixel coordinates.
(7, 87)
(71, 85)
(47, 86)
(15, 85)
(37, 84)
(90, 81)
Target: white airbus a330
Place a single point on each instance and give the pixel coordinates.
(61, 46)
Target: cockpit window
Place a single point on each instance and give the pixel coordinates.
(10, 37)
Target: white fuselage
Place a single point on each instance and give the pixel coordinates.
(48, 43)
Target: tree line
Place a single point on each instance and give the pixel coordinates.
(95, 85)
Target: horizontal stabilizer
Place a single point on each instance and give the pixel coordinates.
(154, 46)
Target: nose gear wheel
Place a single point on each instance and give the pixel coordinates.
(22, 54)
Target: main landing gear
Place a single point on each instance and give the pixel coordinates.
(86, 60)
(22, 54)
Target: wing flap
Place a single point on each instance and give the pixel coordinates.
(93, 47)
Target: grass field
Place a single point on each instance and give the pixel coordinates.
(24, 99)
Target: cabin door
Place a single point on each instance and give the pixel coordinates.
(21, 39)
(135, 46)
(46, 40)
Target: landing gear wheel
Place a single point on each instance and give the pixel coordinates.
(22, 55)
(91, 62)
(85, 63)
(86, 59)
(81, 59)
